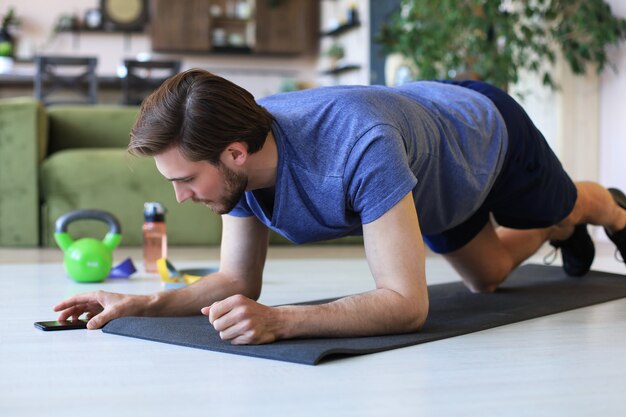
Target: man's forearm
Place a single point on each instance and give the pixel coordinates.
(381, 311)
(189, 300)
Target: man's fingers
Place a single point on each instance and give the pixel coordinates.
(94, 323)
(239, 320)
(94, 304)
(236, 330)
(225, 313)
(220, 308)
(228, 316)
(245, 334)
(75, 312)
(220, 323)
(72, 311)
(99, 320)
(73, 301)
(229, 319)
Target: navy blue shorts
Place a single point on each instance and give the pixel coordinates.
(532, 189)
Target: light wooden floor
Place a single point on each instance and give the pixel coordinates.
(570, 364)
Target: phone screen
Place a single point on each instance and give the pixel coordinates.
(61, 325)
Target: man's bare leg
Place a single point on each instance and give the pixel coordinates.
(486, 261)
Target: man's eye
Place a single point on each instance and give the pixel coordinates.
(186, 180)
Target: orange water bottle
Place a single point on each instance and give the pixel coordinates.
(154, 235)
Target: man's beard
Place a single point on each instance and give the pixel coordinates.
(235, 185)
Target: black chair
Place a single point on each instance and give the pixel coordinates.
(66, 80)
(143, 77)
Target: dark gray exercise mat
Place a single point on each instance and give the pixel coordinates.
(531, 291)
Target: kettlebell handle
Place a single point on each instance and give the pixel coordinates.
(63, 222)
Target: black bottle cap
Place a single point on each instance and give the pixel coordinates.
(153, 212)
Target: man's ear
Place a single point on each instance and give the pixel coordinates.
(235, 153)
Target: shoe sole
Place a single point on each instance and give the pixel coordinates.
(619, 197)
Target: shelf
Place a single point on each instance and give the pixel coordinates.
(341, 29)
(85, 30)
(77, 33)
(246, 50)
(341, 69)
(235, 20)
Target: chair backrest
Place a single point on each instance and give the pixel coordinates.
(66, 80)
(143, 77)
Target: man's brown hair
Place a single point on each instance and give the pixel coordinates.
(200, 113)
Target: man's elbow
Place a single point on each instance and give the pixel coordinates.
(419, 321)
(247, 288)
(417, 317)
(250, 291)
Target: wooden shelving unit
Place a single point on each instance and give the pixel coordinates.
(341, 29)
(334, 33)
(341, 69)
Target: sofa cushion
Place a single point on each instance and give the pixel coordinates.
(74, 127)
(113, 180)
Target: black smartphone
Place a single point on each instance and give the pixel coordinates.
(61, 325)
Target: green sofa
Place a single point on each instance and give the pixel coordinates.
(62, 158)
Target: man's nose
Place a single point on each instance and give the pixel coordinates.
(182, 193)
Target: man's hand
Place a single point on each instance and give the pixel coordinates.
(101, 307)
(243, 321)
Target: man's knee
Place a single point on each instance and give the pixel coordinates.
(486, 283)
(484, 277)
(481, 288)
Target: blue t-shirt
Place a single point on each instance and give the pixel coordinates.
(348, 154)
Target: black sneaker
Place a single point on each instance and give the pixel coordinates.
(577, 251)
(619, 238)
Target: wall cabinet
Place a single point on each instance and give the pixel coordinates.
(290, 27)
(246, 26)
(180, 25)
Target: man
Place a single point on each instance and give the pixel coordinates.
(429, 161)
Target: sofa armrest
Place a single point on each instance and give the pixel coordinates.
(23, 141)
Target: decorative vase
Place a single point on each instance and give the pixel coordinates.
(6, 64)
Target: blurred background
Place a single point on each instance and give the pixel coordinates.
(563, 59)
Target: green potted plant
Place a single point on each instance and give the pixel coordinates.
(495, 40)
(6, 40)
(335, 53)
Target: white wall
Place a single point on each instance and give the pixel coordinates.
(568, 117)
(261, 75)
(355, 41)
(613, 114)
(585, 121)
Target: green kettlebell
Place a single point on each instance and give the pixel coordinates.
(88, 259)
